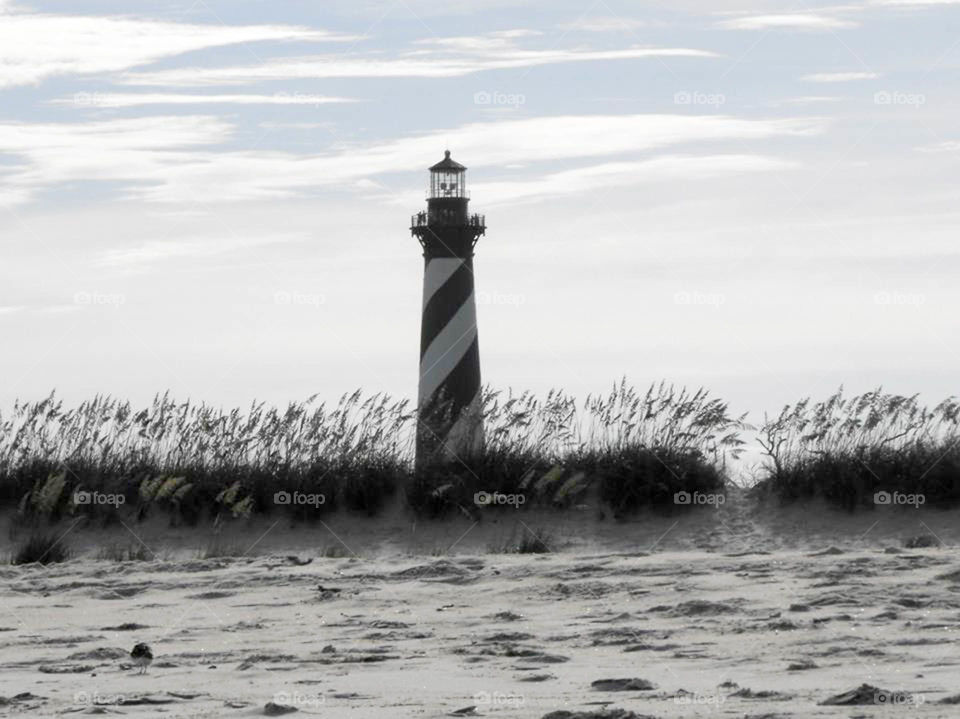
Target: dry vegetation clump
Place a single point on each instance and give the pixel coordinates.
(636, 450)
(847, 449)
(191, 460)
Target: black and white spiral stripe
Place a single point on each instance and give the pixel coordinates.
(450, 357)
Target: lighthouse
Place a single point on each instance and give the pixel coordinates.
(449, 412)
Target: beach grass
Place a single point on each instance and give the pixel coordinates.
(864, 450)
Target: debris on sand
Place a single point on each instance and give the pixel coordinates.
(828, 552)
(125, 627)
(955, 699)
(272, 709)
(328, 592)
(746, 693)
(21, 697)
(867, 694)
(65, 668)
(953, 576)
(695, 607)
(470, 711)
(921, 541)
(622, 685)
(440, 568)
(602, 714)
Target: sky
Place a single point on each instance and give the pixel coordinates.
(213, 197)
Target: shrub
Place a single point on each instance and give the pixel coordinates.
(41, 549)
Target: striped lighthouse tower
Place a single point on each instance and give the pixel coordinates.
(449, 422)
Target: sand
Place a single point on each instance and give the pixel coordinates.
(739, 612)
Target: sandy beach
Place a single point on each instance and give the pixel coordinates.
(708, 613)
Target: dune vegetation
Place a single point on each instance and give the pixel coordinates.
(865, 449)
(105, 458)
(626, 450)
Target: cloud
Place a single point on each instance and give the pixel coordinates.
(609, 24)
(490, 42)
(131, 150)
(787, 21)
(840, 76)
(947, 146)
(811, 99)
(158, 250)
(914, 3)
(117, 100)
(623, 174)
(165, 159)
(432, 58)
(340, 66)
(34, 46)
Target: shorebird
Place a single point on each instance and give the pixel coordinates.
(142, 656)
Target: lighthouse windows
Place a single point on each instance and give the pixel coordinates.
(447, 184)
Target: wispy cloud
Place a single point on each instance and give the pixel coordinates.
(131, 150)
(155, 251)
(452, 56)
(811, 99)
(412, 65)
(162, 159)
(625, 174)
(36, 46)
(112, 99)
(788, 21)
(609, 24)
(828, 77)
(915, 3)
(946, 146)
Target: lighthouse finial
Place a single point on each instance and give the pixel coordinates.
(446, 154)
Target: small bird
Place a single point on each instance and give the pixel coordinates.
(142, 656)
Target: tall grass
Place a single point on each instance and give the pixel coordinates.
(636, 449)
(846, 449)
(193, 460)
